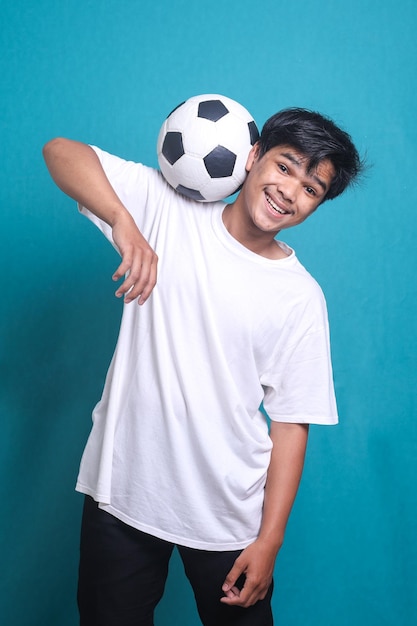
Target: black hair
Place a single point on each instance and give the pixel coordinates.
(318, 138)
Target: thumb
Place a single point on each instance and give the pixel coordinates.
(232, 576)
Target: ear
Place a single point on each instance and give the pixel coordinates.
(252, 156)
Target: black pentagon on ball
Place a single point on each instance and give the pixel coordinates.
(220, 162)
(212, 110)
(194, 194)
(172, 147)
(253, 132)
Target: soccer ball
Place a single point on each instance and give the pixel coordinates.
(203, 146)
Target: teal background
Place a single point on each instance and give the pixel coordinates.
(108, 72)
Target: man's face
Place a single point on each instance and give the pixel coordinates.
(279, 190)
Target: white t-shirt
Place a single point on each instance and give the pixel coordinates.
(179, 448)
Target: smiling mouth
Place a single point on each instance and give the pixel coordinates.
(274, 206)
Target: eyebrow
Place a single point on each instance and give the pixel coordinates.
(290, 156)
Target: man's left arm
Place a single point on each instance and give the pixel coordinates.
(257, 561)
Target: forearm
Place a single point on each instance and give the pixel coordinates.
(258, 559)
(283, 479)
(77, 171)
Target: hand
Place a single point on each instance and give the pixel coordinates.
(139, 261)
(256, 562)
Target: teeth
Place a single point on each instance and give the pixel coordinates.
(274, 206)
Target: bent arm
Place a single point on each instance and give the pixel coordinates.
(77, 171)
(284, 474)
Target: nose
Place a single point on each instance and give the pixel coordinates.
(288, 190)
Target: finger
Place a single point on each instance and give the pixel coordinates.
(140, 278)
(126, 287)
(232, 593)
(250, 593)
(123, 268)
(142, 288)
(150, 281)
(232, 576)
(240, 599)
(235, 596)
(133, 260)
(144, 285)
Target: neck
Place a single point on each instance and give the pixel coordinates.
(262, 243)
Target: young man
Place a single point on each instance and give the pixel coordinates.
(180, 453)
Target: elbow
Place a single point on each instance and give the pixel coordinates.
(53, 147)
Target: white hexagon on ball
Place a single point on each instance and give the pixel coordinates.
(203, 146)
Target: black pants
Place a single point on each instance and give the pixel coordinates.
(123, 572)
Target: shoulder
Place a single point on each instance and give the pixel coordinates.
(296, 277)
(117, 166)
(298, 294)
(135, 183)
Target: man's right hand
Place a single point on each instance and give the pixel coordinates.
(139, 261)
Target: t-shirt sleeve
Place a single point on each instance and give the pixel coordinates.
(131, 181)
(298, 384)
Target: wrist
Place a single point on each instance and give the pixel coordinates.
(118, 214)
(272, 540)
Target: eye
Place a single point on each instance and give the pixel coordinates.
(283, 168)
(310, 191)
